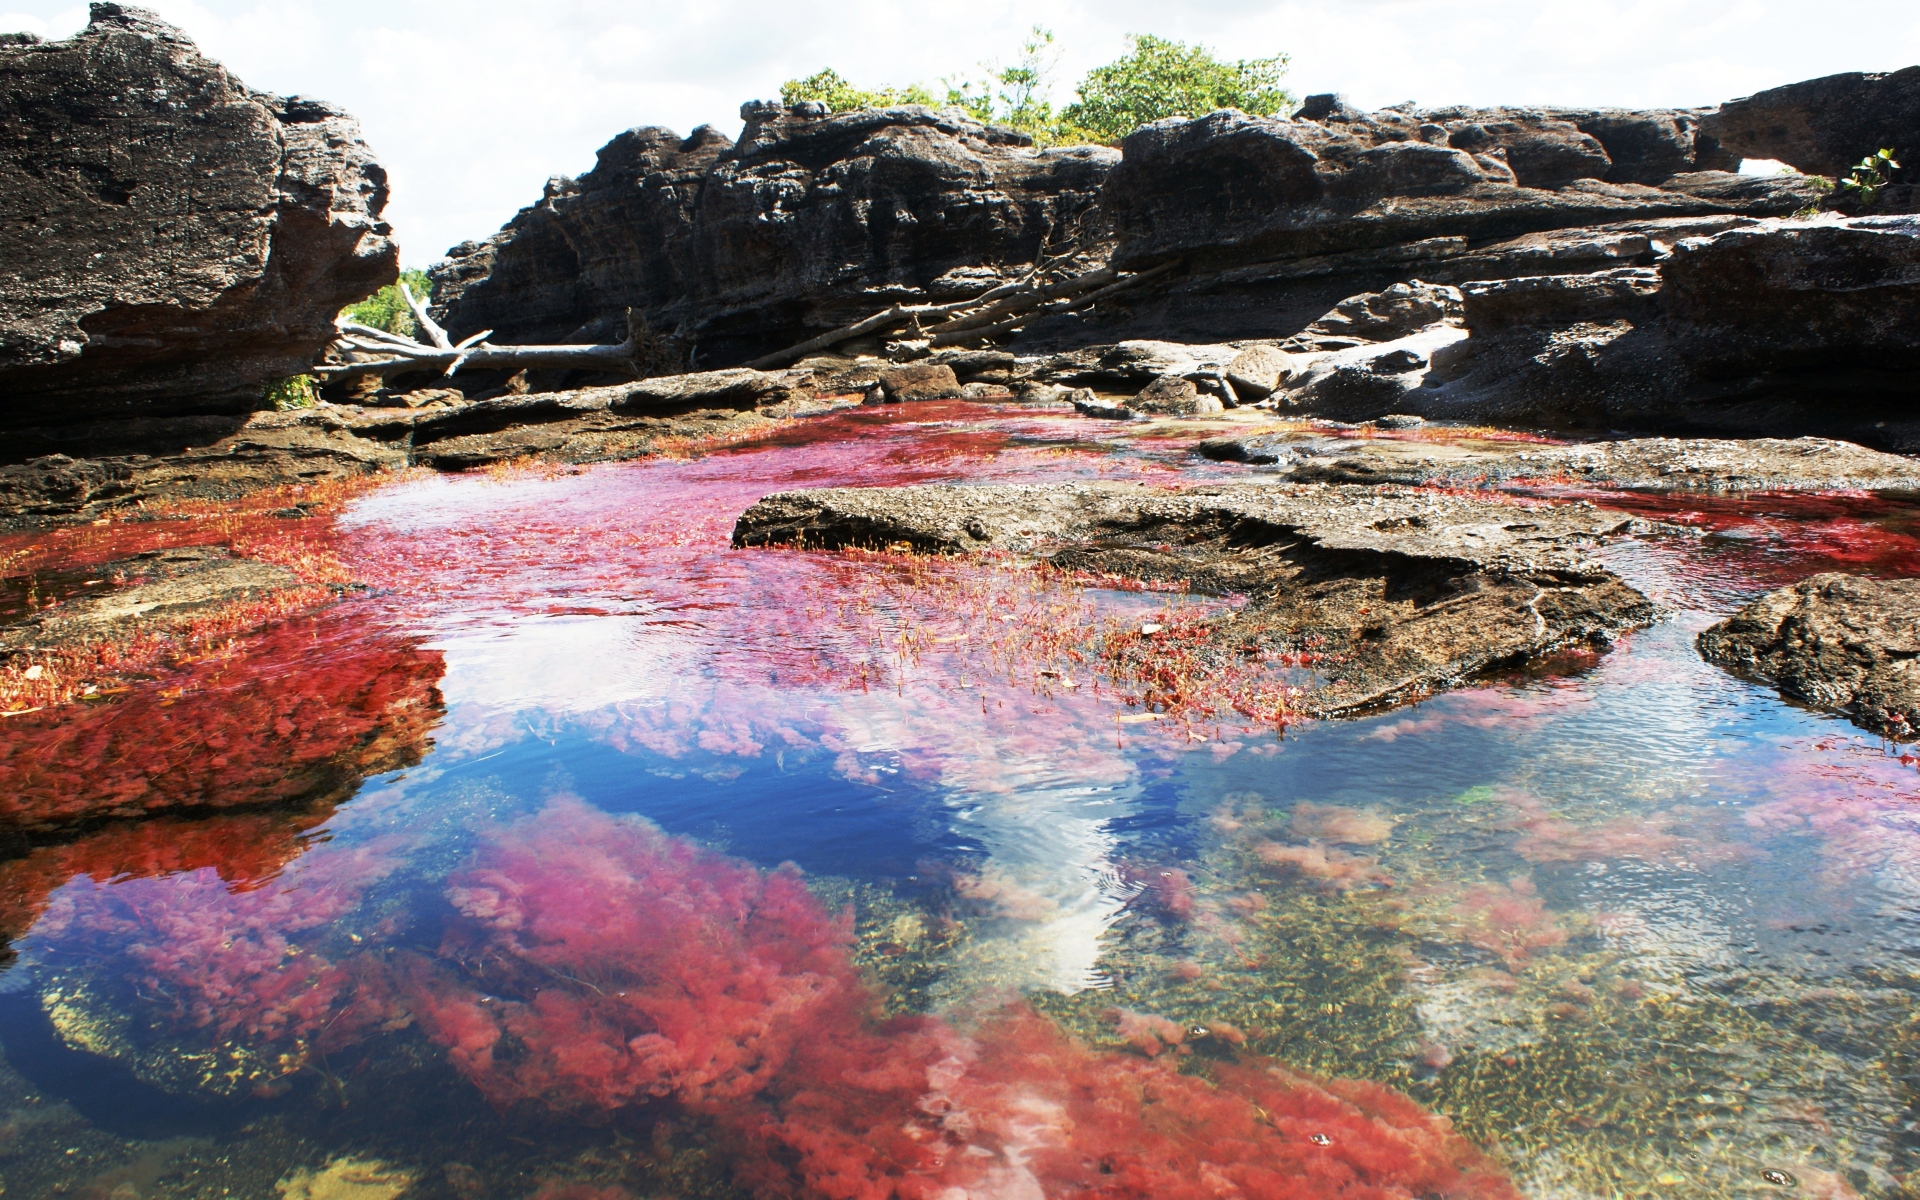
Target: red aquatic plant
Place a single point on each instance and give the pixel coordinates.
(1018, 1109)
(597, 963)
(606, 963)
(301, 710)
(231, 963)
(1511, 920)
(243, 849)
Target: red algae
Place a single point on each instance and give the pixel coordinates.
(617, 964)
(596, 963)
(1510, 920)
(243, 849)
(300, 711)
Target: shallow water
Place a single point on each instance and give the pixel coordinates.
(1636, 927)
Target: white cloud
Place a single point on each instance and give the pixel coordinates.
(472, 105)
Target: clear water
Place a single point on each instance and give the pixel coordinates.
(1634, 926)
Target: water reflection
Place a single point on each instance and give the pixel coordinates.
(1630, 924)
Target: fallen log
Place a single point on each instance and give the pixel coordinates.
(408, 354)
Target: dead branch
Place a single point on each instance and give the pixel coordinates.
(407, 354)
(1000, 310)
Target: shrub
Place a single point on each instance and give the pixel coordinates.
(387, 309)
(1162, 78)
(295, 391)
(840, 96)
(1872, 173)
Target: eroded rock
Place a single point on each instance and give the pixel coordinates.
(173, 240)
(1394, 593)
(1839, 642)
(1823, 126)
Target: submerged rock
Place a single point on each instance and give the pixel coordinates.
(1389, 594)
(174, 241)
(1838, 642)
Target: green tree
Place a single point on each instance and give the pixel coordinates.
(840, 96)
(1161, 78)
(387, 308)
(1017, 96)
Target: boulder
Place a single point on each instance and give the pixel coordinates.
(920, 381)
(808, 221)
(1383, 316)
(1258, 371)
(174, 241)
(1824, 126)
(1174, 396)
(1838, 642)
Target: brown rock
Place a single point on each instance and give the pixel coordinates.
(920, 381)
(1258, 371)
(1824, 126)
(1173, 396)
(1839, 642)
(173, 241)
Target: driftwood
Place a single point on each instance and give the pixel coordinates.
(408, 354)
(1002, 310)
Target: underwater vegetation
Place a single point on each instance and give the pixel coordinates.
(300, 711)
(596, 963)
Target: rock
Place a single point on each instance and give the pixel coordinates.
(1778, 328)
(1824, 126)
(920, 381)
(1187, 189)
(1383, 316)
(163, 588)
(1838, 642)
(803, 224)
(1258, 371)
(1637, 464)
(1541, 151)
(1090, 405)
(1410, 591)
(1171, 395)
(984, 366)
(1400, 421)
(174, 240)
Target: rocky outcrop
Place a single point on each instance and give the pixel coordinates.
(807, 222)
(172, 240)
(1774, 327)
(1371, 454)
(1838, 642)
(1393, 593)
(1824, 126)
(1227, 188)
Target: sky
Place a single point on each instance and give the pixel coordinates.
(473, 104)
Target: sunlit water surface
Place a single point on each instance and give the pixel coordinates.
(1635, 926)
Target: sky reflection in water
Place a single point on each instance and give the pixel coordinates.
(1633, 925)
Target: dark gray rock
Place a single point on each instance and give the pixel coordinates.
(1824, 126)
(806, 223)
(172, 241)
(1397, 593)
(1227, 188)
(1838, 642)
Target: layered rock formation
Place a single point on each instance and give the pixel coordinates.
(1838, 642)
(806, 222)
(172, 240)
(1389, 594)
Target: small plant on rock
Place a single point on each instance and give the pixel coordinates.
(1869, 176)
(295, 391)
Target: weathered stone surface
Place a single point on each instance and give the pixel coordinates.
(1383, 316)
(171, 240)
(1838, 642)
(1258, 371)
(1401, 592)
(1824, 126)
(161, 585)
(226, 457)
(1227, 187)
(1638, 464)
(807, 222)
(1173, 396)
(919, 381)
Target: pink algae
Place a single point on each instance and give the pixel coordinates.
(595, 963)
